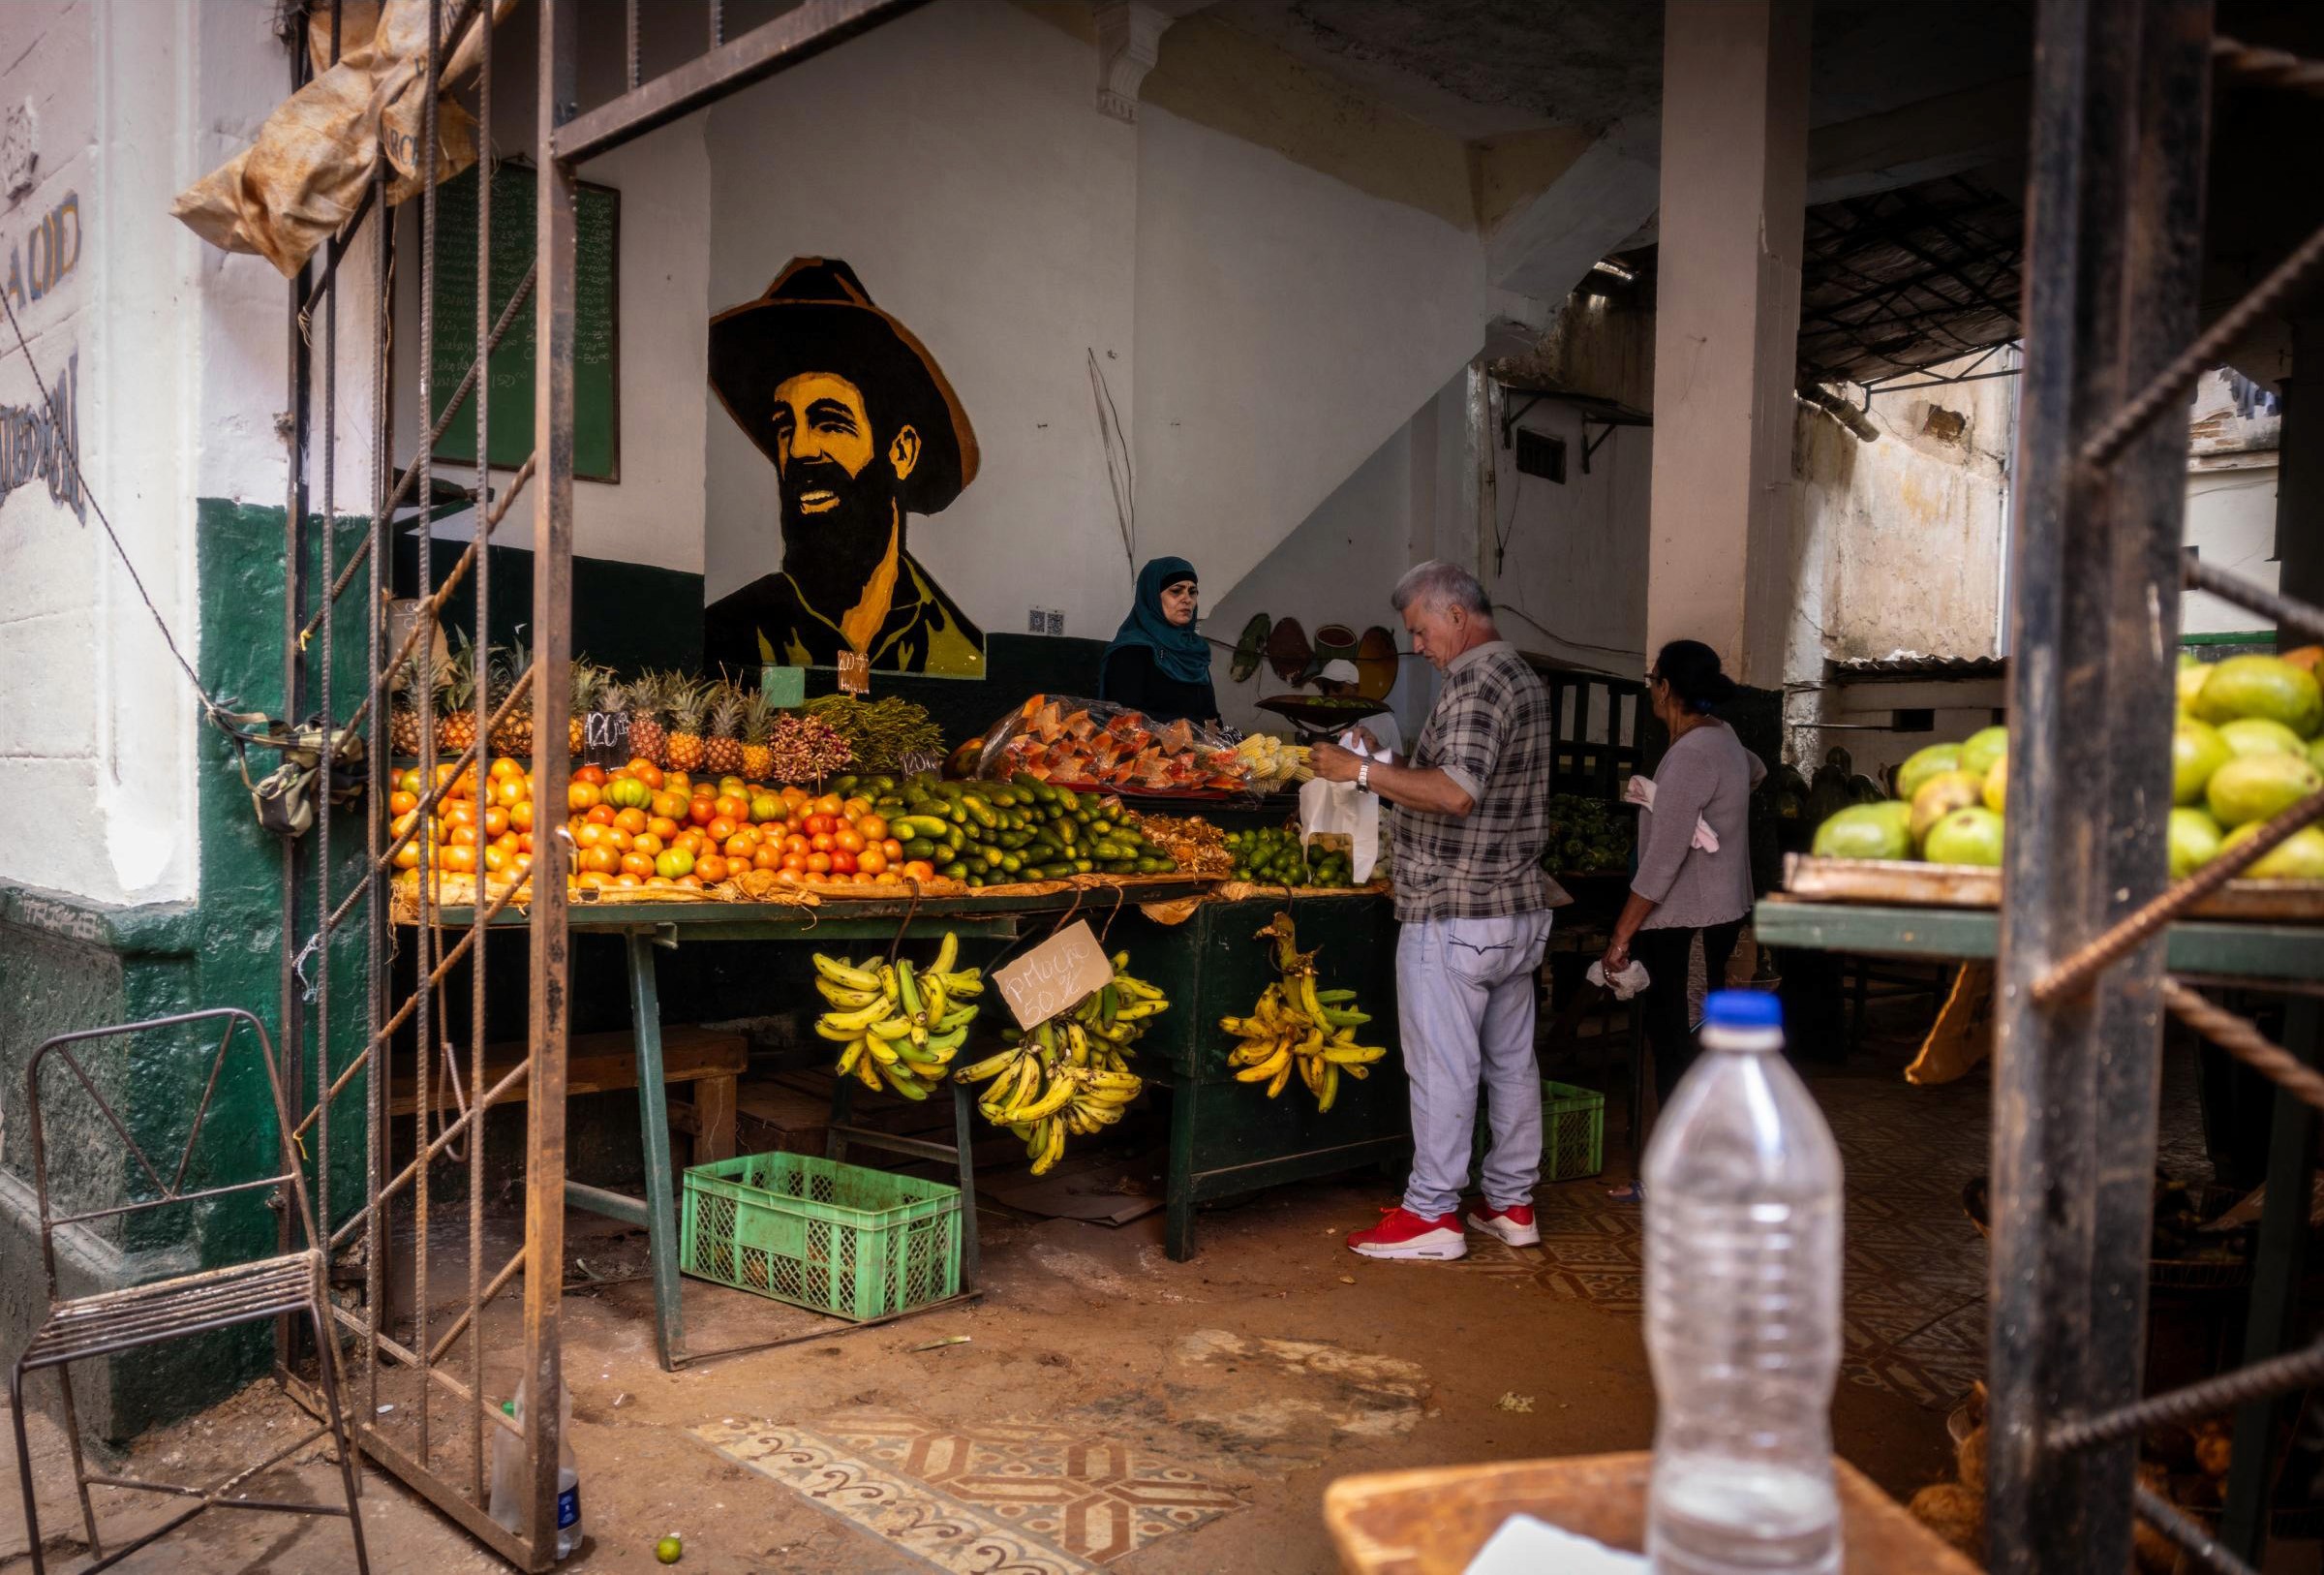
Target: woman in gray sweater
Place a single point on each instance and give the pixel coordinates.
(1683, 889)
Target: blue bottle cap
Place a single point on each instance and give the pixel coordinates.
(1742, 1008)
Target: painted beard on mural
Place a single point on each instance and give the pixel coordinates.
(864, 431)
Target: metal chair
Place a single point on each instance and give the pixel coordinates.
(118, 1320)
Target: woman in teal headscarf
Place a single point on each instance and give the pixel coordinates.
(1157, 664)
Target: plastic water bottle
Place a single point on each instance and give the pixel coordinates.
(508, 1485)
(1743, 1308)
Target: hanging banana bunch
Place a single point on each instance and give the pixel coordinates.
(1070, 1076)
(1297, 1028)
(899, 1028)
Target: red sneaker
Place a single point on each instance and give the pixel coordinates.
(1403, 1234)
(1513, 1224)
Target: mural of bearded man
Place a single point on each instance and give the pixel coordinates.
(862, 429)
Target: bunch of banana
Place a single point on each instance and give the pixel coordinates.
(901, 1027)
(1070, 1076)
(1296, 1027)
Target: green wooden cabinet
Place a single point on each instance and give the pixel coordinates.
(1228, 1138)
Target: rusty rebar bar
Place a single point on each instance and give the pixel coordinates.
(2279, 1375)
(2286, 612)
(2076, 972)
(2241, 1038)
(2268, 67)
(2198, 1543)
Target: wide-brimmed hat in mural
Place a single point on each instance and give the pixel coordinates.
(818, 317)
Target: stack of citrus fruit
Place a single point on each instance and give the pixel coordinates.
(639, 825)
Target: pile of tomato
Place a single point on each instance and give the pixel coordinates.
(638, 825)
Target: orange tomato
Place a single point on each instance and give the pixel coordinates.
(796, 844)
(631, 820)
(721, 827)
(702, 811)
(595, 775)
(848, 840)
(872, 861)
(920, 869)
(510, 791)
(636, 864)
(463, 836)
(768, 858)
(602, 860)
(662, 827)
(402, 822)
(496, 821)
(791, 877)
(690, 839)
(711, 868)
(619, 841)
(659, 881)
(407, 858)
(457, 813)
(731, 807)
(873, 828)
(495, 859)
(602, 814)
(692, 883)
(400, 802)
(893, 848)
(504, 766)
(821, 824)
(460, 860)
(669, 806)
(524, 862)
(855, 809)
(842, 863)
(831, 804)
(523, 841)
(408, 780)
(590, 834)
(626, 879)
(645, 842)
(520, 815)
(741, 844)
(821, 842)
(677, 782)
(645, 771)
(818, 864)
(582, 795)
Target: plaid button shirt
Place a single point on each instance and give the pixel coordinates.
(1490, 732)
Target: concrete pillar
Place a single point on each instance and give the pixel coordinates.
(2299, 480)
(1727, 330)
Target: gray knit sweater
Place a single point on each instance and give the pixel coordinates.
(1709, 774)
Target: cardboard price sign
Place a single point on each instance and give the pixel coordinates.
(855, 673)
(1056, 975)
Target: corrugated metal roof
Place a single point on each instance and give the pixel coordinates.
(1912, 664)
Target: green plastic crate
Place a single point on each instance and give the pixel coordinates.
(1572, 1133)
(840, 1239)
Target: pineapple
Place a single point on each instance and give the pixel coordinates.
(758, 724)
(723, 753)
(513, 733)
(686, 701)
(403, 717)
(647, 740)
(455, 701)
(589, 683)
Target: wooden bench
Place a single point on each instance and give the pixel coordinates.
(605, 1063)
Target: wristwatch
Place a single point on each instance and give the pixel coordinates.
(1364, 776)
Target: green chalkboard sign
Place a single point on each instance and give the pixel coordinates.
(596, 319)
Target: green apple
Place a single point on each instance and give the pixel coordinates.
(1967, 836)
(1940, 795)
(1882, 830)
(1984, 747)
(1924, 764)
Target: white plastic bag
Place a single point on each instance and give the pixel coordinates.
(1343, 809)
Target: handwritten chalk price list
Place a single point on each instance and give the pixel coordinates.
(1056, 975)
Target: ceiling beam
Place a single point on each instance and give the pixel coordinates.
(1545, 248)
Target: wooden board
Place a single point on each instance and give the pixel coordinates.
(1959, 886)
(1433, 1522)
(600, 1064)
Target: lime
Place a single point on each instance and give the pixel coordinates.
(2194, 838)
(669, 1550)
(2196, 751)
(1923, 764)
(2255, 786)
(2299, 856)
(2257, 735)
(1940, 795)
(1967, 836)
(1984, 747)
(1880, 831)
(1997, 785)
(2262, 686)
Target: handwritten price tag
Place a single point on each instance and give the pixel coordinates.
(855, 673)
(1056, 975)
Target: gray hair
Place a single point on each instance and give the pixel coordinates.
(1441, 585)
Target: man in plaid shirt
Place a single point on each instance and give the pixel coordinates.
(1468, 817)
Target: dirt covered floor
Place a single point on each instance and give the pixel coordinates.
(1105, 1407)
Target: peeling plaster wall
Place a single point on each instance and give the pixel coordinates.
(2231, 519)
(177, 353)
(1897, 546)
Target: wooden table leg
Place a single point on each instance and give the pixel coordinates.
(654, 1122)
(714, 1120)
(972, 1258)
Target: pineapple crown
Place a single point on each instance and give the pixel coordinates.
(614, 695)
(758, 718)
(685, 701)
(456, 679)
(503, 667)
(589, 681)
(725, 710)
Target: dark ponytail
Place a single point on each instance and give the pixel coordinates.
(1691, 670)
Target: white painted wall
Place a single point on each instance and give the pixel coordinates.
(180, 367)
(1569, 572)
(2231, 518)
(954, 159)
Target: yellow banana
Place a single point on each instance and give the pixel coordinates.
(894, 1028)
(1354, 1055)
(989, 1066)
(1360, 1074)
(902, 1083)
(881, 1050)
(948, 952)
(1051, 1100)
(863, 1017)
(845, 974)
(850, 1057)
(1331, 1088)
(1282, 1076)
(843, 998)
(1276, 1063)
(864, 1075)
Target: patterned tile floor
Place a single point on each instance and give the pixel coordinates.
(1021, 1498)
(1914, 1267)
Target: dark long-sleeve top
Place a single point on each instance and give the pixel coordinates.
(1129, 677)
(1708, 774)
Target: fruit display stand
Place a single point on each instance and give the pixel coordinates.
(1226, 1138)
(992, 918)
(1947, 914)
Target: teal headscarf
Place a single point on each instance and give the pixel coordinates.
(1181, 653)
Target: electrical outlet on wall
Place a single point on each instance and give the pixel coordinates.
(1044, 621)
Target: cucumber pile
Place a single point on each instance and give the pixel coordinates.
(1005, 833)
